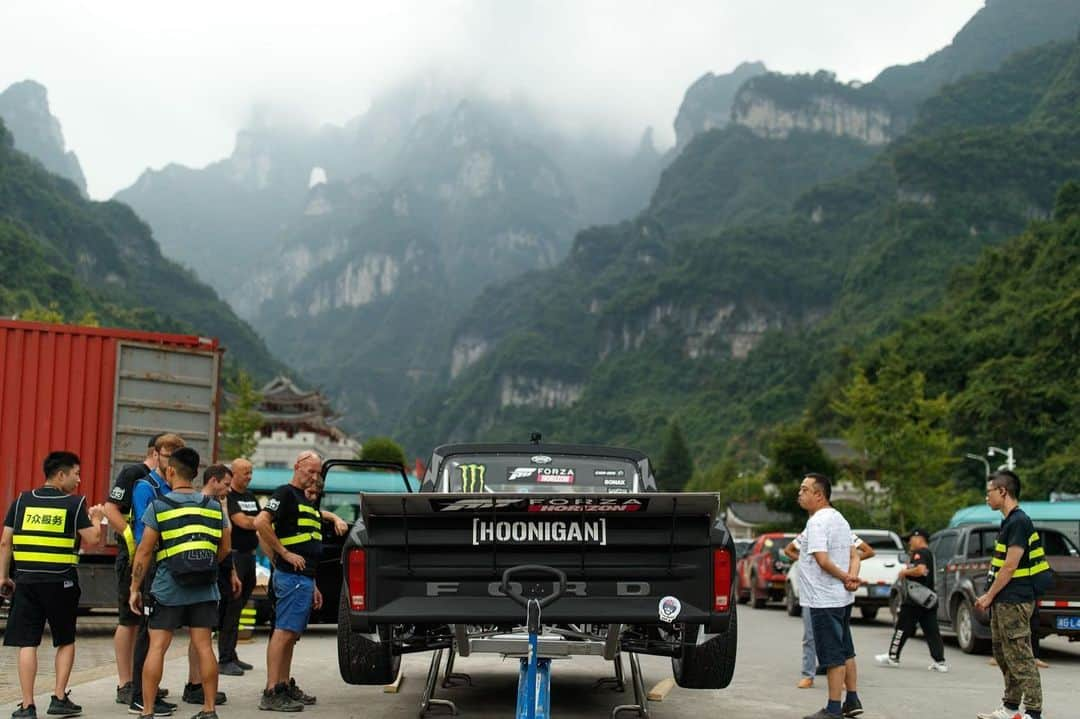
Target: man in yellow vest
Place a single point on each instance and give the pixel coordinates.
(186, 533)
(42, 530)
(1018, 566)
(291, 527)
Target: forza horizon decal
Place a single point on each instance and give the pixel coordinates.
(491, 531)
(541, 504)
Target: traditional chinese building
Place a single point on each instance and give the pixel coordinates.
(295, 420)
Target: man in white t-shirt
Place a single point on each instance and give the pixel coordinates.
(828, 577)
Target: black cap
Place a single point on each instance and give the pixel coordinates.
(917, 532)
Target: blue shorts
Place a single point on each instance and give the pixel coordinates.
(293, 596)
(832, 635)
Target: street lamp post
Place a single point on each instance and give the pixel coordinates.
(980, 458)
(1010, 462)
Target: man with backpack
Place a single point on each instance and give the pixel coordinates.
(185, 532)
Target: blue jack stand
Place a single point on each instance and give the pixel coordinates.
(534, 676)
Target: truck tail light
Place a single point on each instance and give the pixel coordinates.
(358, 579)
(721, 580)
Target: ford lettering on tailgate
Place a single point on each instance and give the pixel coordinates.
(491, 531)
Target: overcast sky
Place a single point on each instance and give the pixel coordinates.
(139, 83)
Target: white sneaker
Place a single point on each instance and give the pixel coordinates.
(885, 660)
(942, 667)
(1003, 713)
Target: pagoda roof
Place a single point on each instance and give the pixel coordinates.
(283, 389)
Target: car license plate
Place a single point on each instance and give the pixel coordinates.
(1068, 623)
(880, 591)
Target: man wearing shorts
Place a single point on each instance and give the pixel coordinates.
(42, 530)
(291, 528)
(828, 576)
(185, 532)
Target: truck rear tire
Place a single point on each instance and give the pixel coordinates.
(965, 630)
(360, 659)
(709, 665)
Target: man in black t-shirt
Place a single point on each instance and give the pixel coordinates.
(920, 570)
(118, 512)
(290, 528)
(242, 508)
(1019, 560)
(42, 531)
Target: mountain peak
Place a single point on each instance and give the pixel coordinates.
(24, 107)
(707, 103)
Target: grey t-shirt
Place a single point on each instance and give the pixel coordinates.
(165, 588)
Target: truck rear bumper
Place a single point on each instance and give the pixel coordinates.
(503, 611)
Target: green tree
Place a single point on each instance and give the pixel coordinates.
(676, 465)
(908, 449)
(50, 315)
(383, 449)
(241, 422)
(726, 480)
(792, 452)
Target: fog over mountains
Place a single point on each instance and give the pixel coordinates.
(449, 265)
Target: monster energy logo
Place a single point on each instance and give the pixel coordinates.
(472, 477)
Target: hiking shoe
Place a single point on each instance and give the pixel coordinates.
(123, 693)
(22, 712)
(63, 707)
(1003, 713)
(193, 694)
(297, 694)
(884, 660)
(942, 667)
(230, 669)
(205, 715)
(823, 713)
(161, 708)
(243, 665)
(852, 708)
(278, 700)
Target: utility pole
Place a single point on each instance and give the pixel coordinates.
(1010, 462)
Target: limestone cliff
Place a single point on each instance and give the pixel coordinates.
(24, 108)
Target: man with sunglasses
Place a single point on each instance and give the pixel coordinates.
(1017, 568)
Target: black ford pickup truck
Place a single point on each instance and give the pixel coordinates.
(646, 572)
(961, 563)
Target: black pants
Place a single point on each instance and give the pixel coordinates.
(909, 617)
(142, 638)
(229, 628)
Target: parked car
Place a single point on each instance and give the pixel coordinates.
(742, 546)
(962, 560)
(879, 572)
(763, 570)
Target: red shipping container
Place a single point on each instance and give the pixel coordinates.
(100, 393)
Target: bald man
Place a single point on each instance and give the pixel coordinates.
(243, 508)
(291, 528)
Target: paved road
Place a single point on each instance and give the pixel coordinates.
(764, 685)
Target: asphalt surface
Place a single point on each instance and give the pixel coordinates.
(764, 684)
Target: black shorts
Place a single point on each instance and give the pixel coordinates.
(33, 605)
(125, 617)
(832, 635)
(202, 614)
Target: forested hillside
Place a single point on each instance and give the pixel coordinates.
(98, 257)
(731, 328)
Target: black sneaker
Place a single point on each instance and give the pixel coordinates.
(297, 694)
(162, 708)
(243, 665)
(63, 707)
(124, 693)
(205, 715)
(852, 708)
(824, 713)
(22, 712)
(230, 669)
(193, 694)
(162, 692)
(278, 700)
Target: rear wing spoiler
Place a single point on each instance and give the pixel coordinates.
(673, 504)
